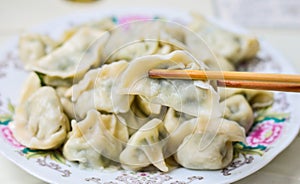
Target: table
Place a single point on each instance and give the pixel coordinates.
(17, 16)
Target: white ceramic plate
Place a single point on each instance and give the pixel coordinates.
(271, 135)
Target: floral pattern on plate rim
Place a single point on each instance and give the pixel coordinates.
(267, 129)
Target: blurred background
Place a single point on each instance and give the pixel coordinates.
(275, 21)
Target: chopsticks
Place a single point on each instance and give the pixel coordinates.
(248, 80)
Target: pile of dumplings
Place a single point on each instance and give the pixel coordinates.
(89, 95)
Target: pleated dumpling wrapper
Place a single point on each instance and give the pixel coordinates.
(239, 110)
(39, 121)
(96, 141)
(188, 96)
(65, 63)
(256, 98)
(145, 147)
(96, 91)
(196, 151)
(234, 46)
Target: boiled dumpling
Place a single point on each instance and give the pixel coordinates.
(233, 46)
(141, 111)
(256, 98)
(34, 46)
(65, 61)
(146, 147)
(141, 38)
(66, 102)
(215, 155)
(193, 98)
(39, 121)
(238, 109)
(95, 141)
(31, 85)
(143, 107)
(134, 50)
(96, 91)
(105, 24)
(189, 125)
(198, 47)
(180, 129)
(219, 63)
(173, 119)
(140, 48)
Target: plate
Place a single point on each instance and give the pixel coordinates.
(271, 134)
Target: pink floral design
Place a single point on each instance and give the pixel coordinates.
(131, 18)
(8, 136)
(265, 133)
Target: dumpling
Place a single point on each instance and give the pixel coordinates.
(105, 24)
(238, 109)
(215, 155)
(39, 121)
(31, 85)
(256, 98)
(142, 38)
(233, 46)
(66, 102)
(180, 129)
(146, 147)
(186, 125)
(34, 46)
(95, 141)
(142, 107)
(134, 50)
(65, 61)
(140, 48)
(198, 47)
(96, 91)
(140, 113)
(221, 64)
(173, 119)
(193, 98)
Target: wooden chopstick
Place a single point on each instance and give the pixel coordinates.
(223, 75)
(272, 86)
(249, 80)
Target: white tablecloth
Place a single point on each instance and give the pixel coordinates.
(19, 15)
